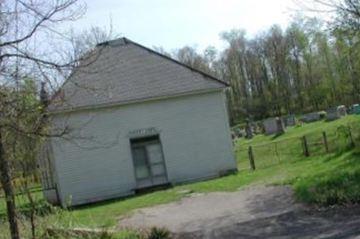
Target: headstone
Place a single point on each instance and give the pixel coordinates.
(355, 109)
(342, 110)
(332, 114)
(273, 126)
(311, 117)
(336, 112)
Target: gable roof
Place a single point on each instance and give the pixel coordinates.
(122, 71)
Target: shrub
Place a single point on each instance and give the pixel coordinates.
(337, 188)
(158, 233)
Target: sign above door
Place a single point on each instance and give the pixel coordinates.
(137, 133)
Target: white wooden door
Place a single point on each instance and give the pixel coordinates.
(156, 163)
(149, 163)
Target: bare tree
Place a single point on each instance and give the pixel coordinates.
(84, 41)
(345, 13)
(24, 54)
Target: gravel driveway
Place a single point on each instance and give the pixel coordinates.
(254, 212)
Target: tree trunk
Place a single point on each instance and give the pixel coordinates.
(9, 192)
(32, 213)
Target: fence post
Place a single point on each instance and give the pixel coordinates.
(276, 152)
(325, 142)
(305, 147)
(251, 158)
(352, 143)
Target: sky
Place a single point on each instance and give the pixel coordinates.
(176, 23)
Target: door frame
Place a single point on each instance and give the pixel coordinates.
(146, 140)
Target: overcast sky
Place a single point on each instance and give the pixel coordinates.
(175, 23)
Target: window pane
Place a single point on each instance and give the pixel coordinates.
(158, 169)
(141, 168)
(154, 153)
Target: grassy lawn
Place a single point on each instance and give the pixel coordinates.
(322, 179)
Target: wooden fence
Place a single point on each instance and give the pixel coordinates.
(21, 184)
(318, 143)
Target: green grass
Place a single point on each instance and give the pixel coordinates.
(338, 183)
(271, 149)
(300, 130)
(322, 179)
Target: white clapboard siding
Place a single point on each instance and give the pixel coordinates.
(96, 163)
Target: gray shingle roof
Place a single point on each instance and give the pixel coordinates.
(122, 71)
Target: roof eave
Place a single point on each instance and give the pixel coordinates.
(136, 101)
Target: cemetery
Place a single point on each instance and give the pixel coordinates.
(278, 125)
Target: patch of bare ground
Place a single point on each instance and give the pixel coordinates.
(254, 212)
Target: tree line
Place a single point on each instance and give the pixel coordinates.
(309, 66)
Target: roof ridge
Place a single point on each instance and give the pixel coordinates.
(124, 40)
(191, 79)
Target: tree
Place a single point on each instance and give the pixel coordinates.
(345, 14)
(22, 23)
(305, 67)
(84, 41)
(21, 148)
(235, 73)
(189, 56)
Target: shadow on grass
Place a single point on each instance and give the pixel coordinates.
(148, 191)
(120, 199)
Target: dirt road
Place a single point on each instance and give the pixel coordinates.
(256, 212)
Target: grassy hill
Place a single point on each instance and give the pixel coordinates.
(329, 176)
(323, 178)
(272, 149)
